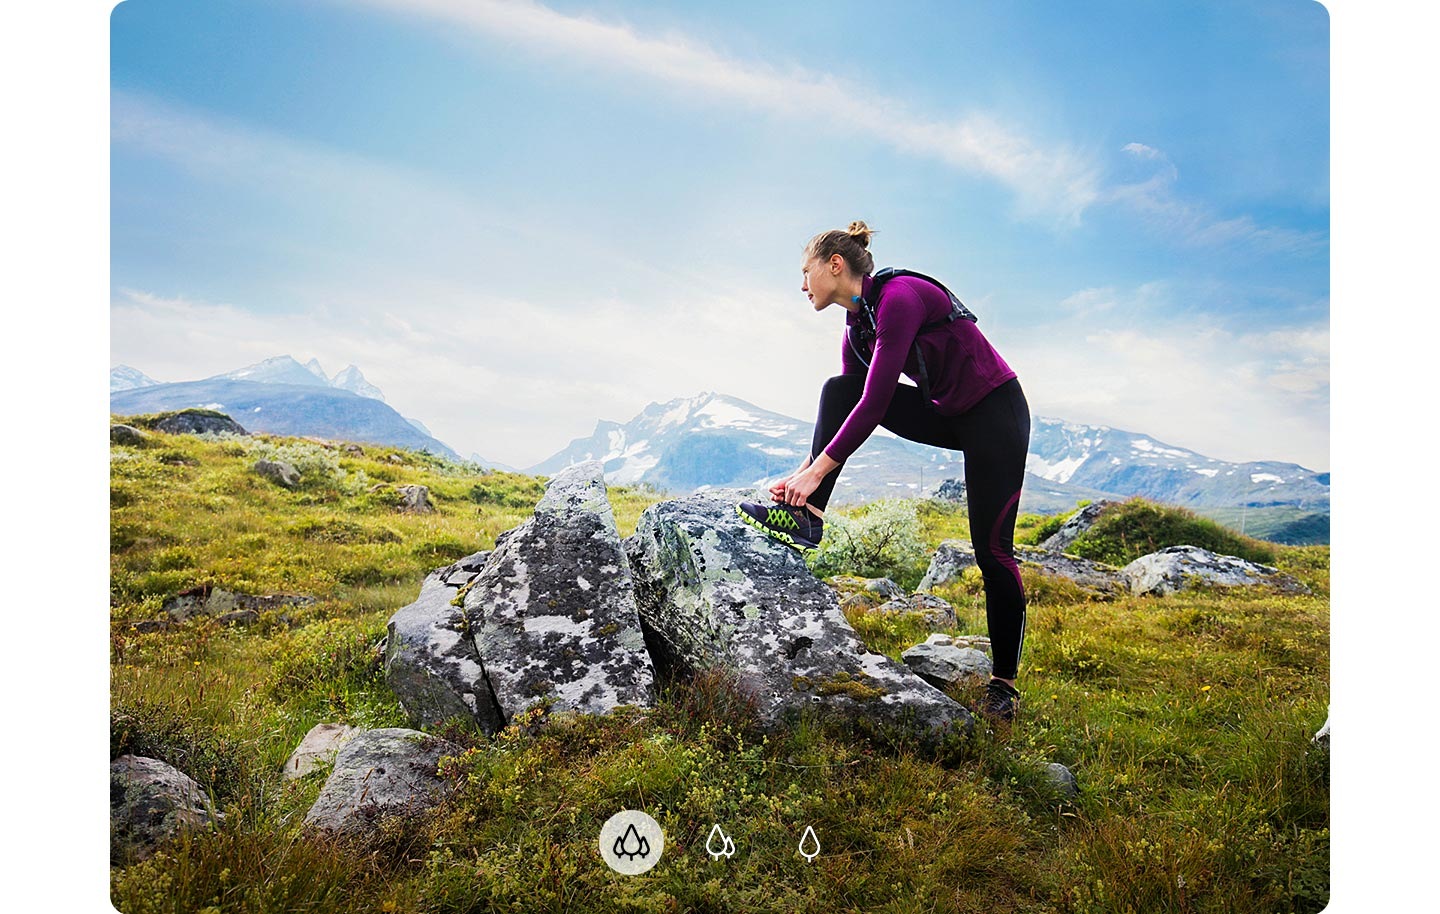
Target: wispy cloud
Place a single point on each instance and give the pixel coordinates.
(1156, 200)
(1051, 183)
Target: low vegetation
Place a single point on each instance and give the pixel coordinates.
(1187, 721)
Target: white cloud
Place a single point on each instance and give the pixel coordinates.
(512, 380)
(1191, 382)
(1052, 183)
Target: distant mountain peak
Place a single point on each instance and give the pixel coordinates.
(123, 377)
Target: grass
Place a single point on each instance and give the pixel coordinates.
(1185, 719)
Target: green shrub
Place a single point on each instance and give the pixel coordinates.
(882, 540)
(1137, 527)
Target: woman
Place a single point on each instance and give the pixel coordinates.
(971, 402)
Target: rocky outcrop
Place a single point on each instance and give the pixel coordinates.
(378, 773)
(318, 748)
(279, 472)
(151, 802)
(714, 593)
(206, 600)
(951, 490)
(549, 616)
(941, 662)
(1176, 568)
(198, 422)
(865, 593)
(1077, 525)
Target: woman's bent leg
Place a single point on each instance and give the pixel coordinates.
(906, 416)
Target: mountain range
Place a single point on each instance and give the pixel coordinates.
(280, 396)
(714, 440)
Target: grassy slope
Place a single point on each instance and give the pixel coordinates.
(1186, 720)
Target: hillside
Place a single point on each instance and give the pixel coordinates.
(1187, 721)
(285, 409)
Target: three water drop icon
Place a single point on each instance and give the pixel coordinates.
(809, 844)
(719, 844)
(632, 844)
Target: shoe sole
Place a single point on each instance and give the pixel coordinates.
(780, 535)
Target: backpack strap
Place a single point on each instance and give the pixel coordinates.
(958, 311)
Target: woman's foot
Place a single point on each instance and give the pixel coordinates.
(795, 527)
(1000, 702)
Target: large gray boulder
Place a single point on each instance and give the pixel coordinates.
(553, 613)
(1177, 567)
(431, 662)
(377, 773)
(548, 616)
(151, 802)
(715, 594)
(1073, 528)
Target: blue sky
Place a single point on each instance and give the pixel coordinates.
(519, 218)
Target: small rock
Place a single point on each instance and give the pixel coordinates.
(150, 802)
(415, 499)
(206, 600)
(1322, 738)
(318, 747)
(354, 450)
(283, 473)
(949, 561)
(377, 773)
(952, 490)
(1063, 779)
(128, 435)
(1079, 523)
(147, 626)
(938, 613)
(394, 458)
(945, 664)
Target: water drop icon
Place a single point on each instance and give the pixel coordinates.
(719, 844)
(809, 844)
(632, 844)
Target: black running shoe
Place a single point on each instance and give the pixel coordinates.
(795, 527)
(1000, 702)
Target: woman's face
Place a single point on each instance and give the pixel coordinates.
(822, 280)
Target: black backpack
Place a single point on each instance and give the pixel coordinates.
(865, 330)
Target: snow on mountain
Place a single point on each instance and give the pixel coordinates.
(123, 377)
(719, 441)
(281, 369)
(352, 380)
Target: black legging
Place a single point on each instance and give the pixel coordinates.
(994, 435)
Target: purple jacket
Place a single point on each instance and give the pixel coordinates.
(962, 365)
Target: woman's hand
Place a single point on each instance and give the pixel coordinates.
(800, 487)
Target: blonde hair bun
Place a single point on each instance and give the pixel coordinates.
(860, 232)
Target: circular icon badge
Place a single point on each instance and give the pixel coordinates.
(631, 842)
